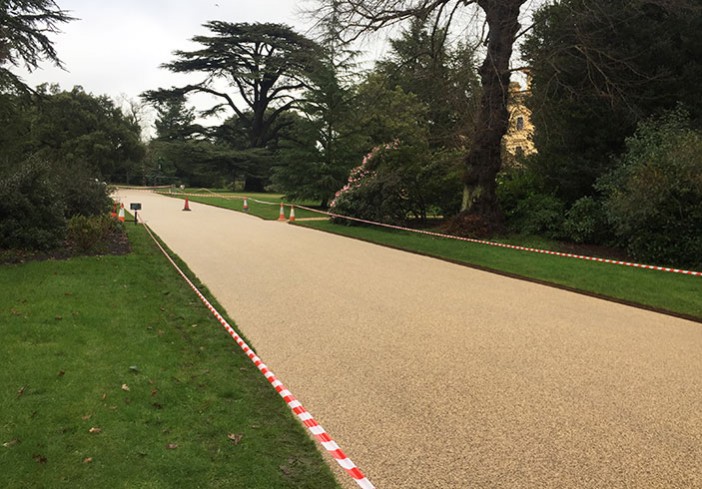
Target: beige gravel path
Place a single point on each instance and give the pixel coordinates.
(432, 375)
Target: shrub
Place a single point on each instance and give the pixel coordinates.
(526, 207)
(31, 208)
(397, 182)
(586, 222)
(540, 214)
(83, 195)
(89, 233)
(654, 198)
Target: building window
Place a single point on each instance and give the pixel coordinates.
(520, 123)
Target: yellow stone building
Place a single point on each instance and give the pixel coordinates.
(519, 138)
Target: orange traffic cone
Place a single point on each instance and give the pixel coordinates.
(187, 205)
(292, 214)
(114, 210)
(281, 217)
(246, 204)
(121, 213)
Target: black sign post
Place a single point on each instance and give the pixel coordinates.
(135, 206)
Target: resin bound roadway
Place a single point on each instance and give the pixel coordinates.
(433, 375)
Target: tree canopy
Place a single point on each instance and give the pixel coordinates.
(25, 26)
(598, 68)
(264, 66)
(483, 158)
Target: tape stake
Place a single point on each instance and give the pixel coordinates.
(295, 405)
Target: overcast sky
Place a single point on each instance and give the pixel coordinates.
(115, 48)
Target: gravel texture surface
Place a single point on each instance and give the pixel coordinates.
(433, 375)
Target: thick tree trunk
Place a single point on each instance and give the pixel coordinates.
(480, 212)
(255, 182)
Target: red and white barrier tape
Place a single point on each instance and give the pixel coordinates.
(509, 246)
(303, 415)
(480, 241)
(145, 189)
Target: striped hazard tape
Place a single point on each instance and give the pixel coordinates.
(509, 246)
(478, 241)
(303, 415)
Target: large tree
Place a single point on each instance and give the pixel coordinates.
(483, 158)
(422, 61)
(320, 146)
(185, 152)
(78, 129)
(25, 26)
(264, 65)
(600, 67)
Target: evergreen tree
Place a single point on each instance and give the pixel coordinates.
(598, 68)
(25, 27)
(265, 66)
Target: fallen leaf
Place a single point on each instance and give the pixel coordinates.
(87, 417)
(20, 391)
(172, 446)
(40, 459)
(235, 438)
(94, 430)
(59, 318)
(11, 443)
(104, 396)
(154, 392)
(15, 312)
(61, 373)
(88, 460)
(134, 369)
(125, 387)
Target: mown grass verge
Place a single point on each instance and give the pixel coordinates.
(115, 375)
(666, 292)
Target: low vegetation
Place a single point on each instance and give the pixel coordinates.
(116, 372)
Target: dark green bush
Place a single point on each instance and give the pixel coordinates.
(654, 198)
(37, 197)
(527, 208)
(396, 183)
(89, 233)
(586, 222)
(540, 214)
(83, 194)
(31, 208)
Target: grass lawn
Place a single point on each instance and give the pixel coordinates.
(115, 375)
(674, 293)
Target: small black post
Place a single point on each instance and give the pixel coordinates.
(136, 207)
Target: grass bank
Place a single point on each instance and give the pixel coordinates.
(115, 375)
(667, 292)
